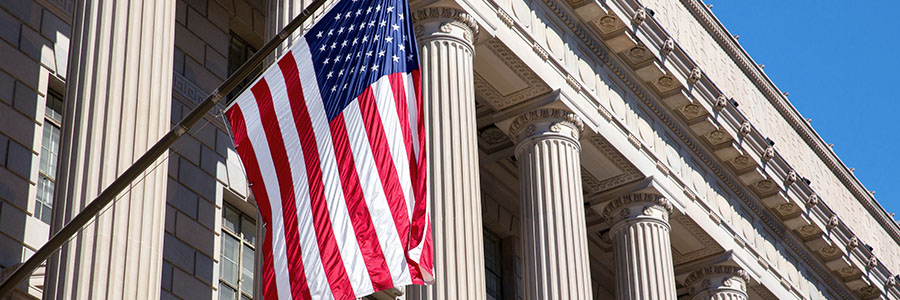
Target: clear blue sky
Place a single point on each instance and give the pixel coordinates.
(840, 62)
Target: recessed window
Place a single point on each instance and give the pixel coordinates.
(43, 204)
(237, 262)
(239, 51)
(493, 274)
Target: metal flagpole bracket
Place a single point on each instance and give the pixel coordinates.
(146, 160)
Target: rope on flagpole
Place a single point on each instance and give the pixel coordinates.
(146, 160)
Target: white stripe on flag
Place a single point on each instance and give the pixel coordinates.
(334, 193)
(387, 109)
(373, 192)
(312, 262)
(260, 146)
(413, 109)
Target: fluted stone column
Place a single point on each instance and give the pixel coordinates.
(718, 283)
(117, 105)
(280, 13)
(446, 36)
(640, 230)
(554, 233)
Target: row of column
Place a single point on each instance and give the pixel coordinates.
(124, 103)
(554, 238)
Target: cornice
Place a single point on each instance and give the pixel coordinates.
(715, 28)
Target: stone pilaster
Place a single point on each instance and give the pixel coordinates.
(554, 233)
(640, 230)
(445, 36)
(118, 104)
(718, 283)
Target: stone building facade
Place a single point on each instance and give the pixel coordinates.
(626, 149)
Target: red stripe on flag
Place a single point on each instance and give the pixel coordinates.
(330, 253)
(399, 94)
(393, 191)
(420, 228)
(359, 212)
(248, 156)
(261, 92)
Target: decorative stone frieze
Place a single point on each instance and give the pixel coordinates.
(692, 111)
(718, 283)
(640, 229)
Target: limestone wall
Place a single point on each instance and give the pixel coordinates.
(204, 169)
(34, 46)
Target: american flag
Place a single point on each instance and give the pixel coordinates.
(332, 139)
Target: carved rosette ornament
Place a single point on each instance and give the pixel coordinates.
(718, 282)
(642, 247)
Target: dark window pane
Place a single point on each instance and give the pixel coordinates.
(229, 262)
(226, 292)
(493, 280)
(248, 229)
(231, 219)
(247, 270)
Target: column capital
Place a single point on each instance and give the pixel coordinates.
(546, 121)
(443, 19)
(638, 206)
(717, 279)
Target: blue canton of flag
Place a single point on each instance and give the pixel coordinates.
(358, 43)
(333, 142)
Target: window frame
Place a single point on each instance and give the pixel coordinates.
(243, 242)
(498, 273)
(44, 207)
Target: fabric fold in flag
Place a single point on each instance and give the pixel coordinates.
(331, 139)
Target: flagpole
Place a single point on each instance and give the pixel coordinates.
(147, 159)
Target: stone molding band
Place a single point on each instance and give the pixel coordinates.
(543, 114)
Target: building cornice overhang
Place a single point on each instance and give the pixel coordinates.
(778, 99)
(729, 125)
